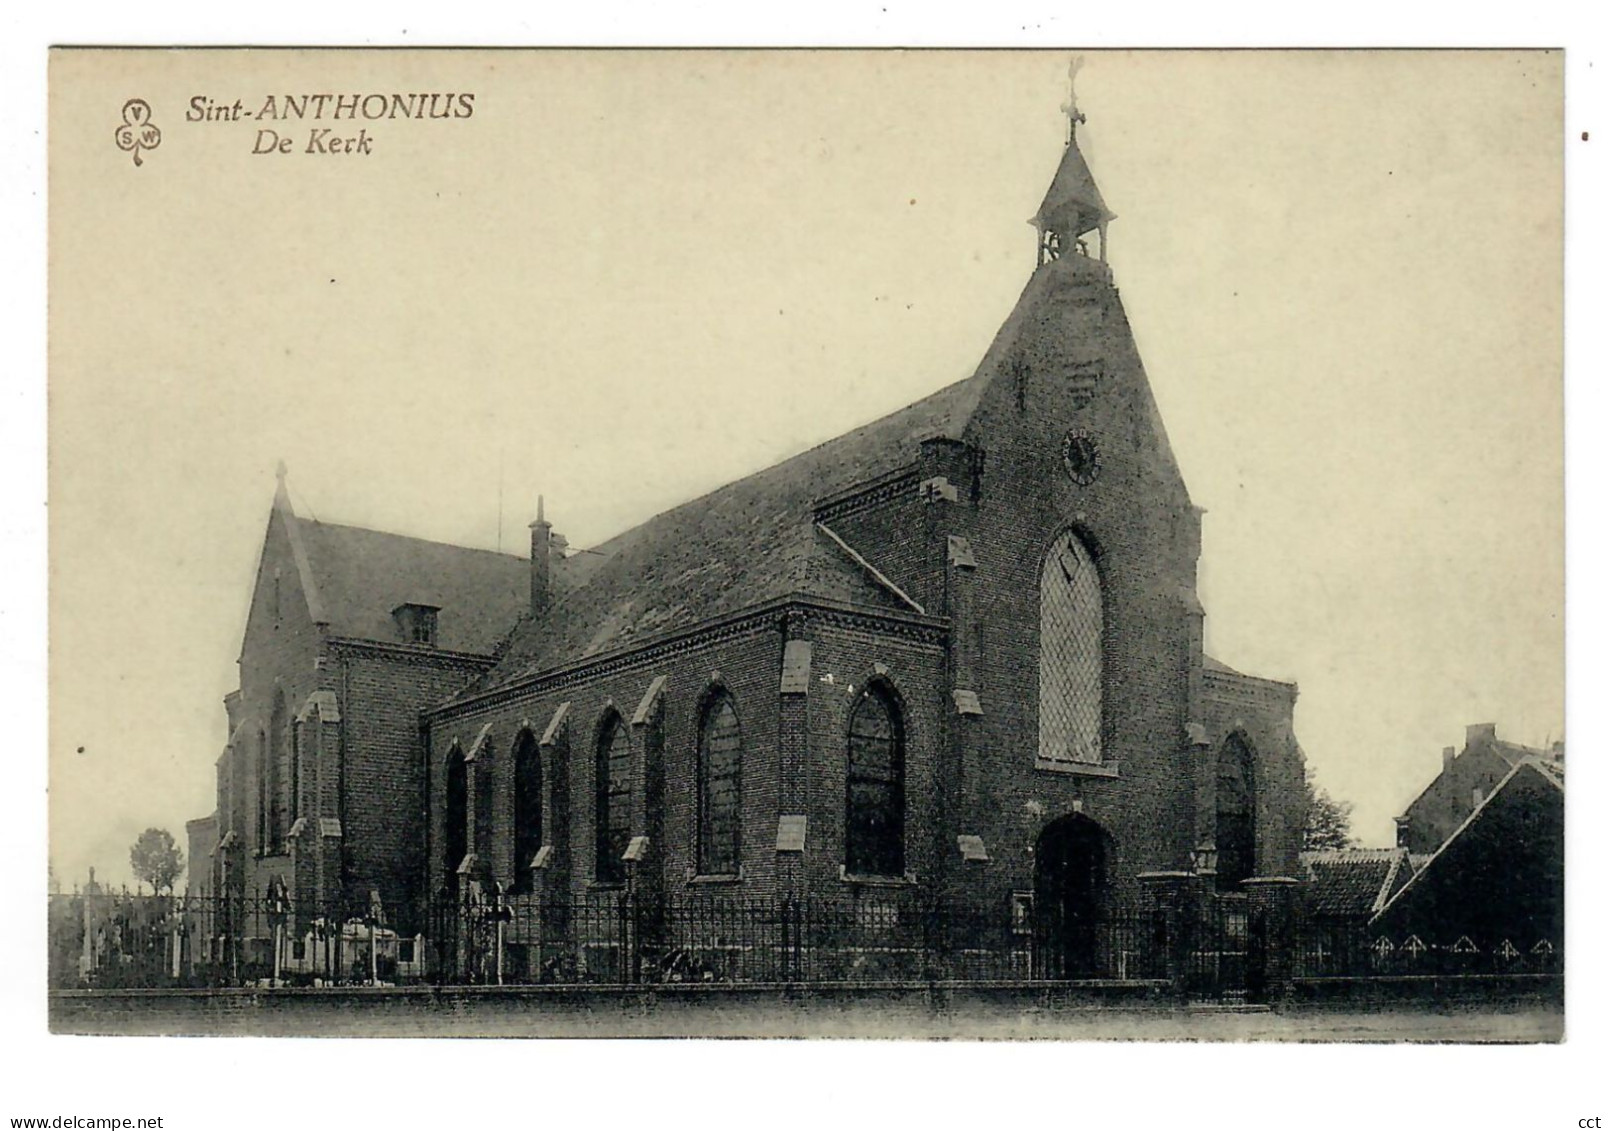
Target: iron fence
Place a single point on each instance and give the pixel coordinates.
(1341, 948)
(610, 937)
(1214, 948)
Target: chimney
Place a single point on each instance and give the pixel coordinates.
(1479, 732)
(1448, 757)
(541, 563)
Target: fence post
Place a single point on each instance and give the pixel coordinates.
(1271, 901)
(1169, 904)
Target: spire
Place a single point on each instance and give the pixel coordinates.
(1073, 205)
(282, 496)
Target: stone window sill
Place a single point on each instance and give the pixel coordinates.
(906, 881)
(1082, 769)
(716, 878)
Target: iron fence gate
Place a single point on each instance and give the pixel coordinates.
(1219, 964)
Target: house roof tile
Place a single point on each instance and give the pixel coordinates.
(1355, 881)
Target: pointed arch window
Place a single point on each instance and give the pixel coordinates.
(528, 816)
(262, 792)
(613, 801)
(875, 788)
(1234, 809)
(721, 756)
(278, 757)
(1070, 654)
(455, 814)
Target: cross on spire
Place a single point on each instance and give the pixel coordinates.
(1070, 107)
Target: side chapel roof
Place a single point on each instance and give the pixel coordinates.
(354, 579)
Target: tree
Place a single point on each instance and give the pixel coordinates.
(156, 859)
(1326, 821)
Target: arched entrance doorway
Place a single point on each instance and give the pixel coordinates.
(1071, 887)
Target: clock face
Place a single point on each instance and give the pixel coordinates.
(1080, 458)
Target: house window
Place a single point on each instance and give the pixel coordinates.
(1070, 654)
(1233, 813)
(721, 753)
(528, 820)
(875, 802)
(416, 623)
(613, 808)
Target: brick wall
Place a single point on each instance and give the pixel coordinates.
(279, 651)
(383, 693)
(1261, 711)
(746, 663)
(1447, 801)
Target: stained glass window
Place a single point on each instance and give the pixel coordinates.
(613, 785)
(721, 752)
(1070, 654)
(455, 823)
(1234, 813)
(875, 801)
(528, 806)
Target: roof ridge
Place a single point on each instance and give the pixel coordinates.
(1463, 825)
(837, 438)
(1347, 855)
(408, 537)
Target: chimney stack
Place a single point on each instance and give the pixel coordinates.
(1448, 757)
(541, 563)
(1479, 732)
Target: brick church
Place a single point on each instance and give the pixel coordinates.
(957, 652)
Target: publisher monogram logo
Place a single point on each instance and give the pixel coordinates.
(137, 131)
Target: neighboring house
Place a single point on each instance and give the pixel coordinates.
(1468, 776)
(1349, 885)
(957, 651)
(350, 634)
(1497, 886)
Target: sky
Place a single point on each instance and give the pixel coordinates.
(628, 279)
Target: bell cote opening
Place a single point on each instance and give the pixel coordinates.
(1073, 207)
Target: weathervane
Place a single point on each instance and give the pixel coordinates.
(1073, 111)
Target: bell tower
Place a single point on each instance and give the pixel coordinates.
(1073, 207)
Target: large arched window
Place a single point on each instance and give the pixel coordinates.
(612, 787)
(721, 755)
(1234, 802)
(1070, 654)
(455, 814)
(875, 800)
(528, 822)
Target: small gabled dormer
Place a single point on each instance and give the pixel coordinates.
(417, 623)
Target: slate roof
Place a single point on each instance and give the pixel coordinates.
(1073, 201)
(1515, 753)
(1353, 882)
(741, 545)
(355, 578)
